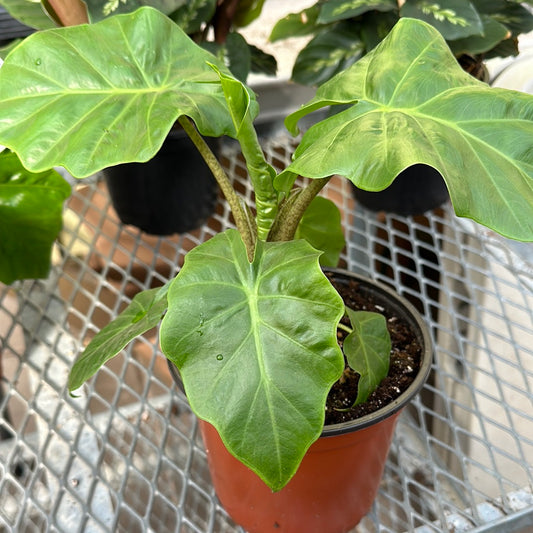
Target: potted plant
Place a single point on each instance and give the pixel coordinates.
(343, 31)
(251, 321)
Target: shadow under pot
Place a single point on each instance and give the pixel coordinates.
(174, 192)
(416, 190)
(339, 477)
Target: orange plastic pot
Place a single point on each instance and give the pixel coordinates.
(339, 477)
(332, 490)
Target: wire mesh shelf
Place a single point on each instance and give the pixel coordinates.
(125, 455)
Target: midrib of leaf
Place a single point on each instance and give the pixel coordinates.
(250, 283)
(406, 73)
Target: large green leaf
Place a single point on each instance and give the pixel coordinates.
(31, 207)
(93, 96)
(455, 19)
(334, 10)
(143, 313)
(29, 12)
(256, 347)
(420, 107)
(367, 350)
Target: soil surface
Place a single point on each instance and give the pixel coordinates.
(404, 363)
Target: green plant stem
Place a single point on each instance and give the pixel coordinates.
(286, 226)
(347, 329)
(242, 219)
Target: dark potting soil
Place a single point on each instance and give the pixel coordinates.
(404, 363)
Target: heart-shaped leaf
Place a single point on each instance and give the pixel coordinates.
(421, 107)
(143, 313)
(256, 347)
(31, 207)
(367, 350)
(92, 96)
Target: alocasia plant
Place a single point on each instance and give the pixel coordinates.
(250, 320)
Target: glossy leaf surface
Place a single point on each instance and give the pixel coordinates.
(31, 207)
(89, 97)
(143, 313)
(420, 107)
(367, 350)
(256, 347)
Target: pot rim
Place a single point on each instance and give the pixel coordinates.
(414, 388)
(406, 396)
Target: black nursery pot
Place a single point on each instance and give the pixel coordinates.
(174, 192)
(416, 190)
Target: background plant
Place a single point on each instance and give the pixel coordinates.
(213, 24)
(344, 30)
(250, 320)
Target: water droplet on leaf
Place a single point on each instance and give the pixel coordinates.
(220, 357)
(38, 61)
